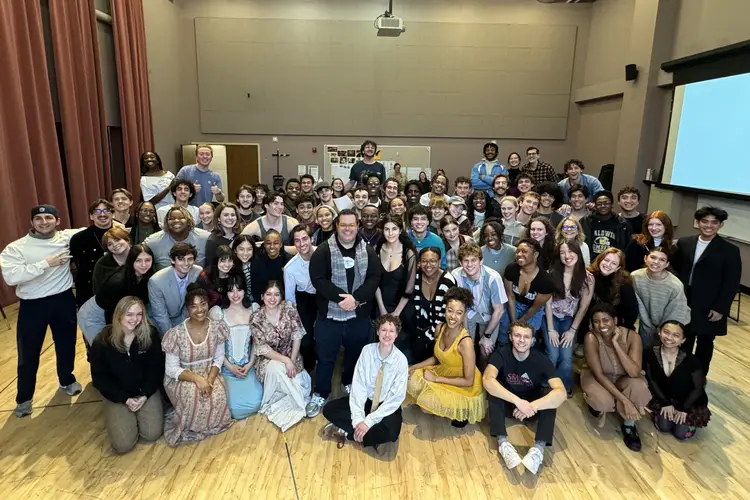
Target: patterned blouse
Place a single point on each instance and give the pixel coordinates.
(567, 307)
(279, 338)
(430, 314)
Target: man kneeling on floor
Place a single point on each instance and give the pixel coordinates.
(371, 414)
(521, 382)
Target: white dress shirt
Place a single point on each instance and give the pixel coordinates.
(297, 277)
(392, 392)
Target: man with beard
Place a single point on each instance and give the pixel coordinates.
(167, 288)
(38, 266)
(345, 272)
(603, 228)
(86, 248)
(245, 203)
(484, 171)
(206, 182)
(306, 184)
(500, 185)
(439, 187)
(274, 219)
(290, 199)
(367, 166)
(180, 227)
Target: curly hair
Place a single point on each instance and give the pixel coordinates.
(388, 318)
(461, 295)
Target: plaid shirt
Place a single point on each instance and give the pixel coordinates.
(544, 172)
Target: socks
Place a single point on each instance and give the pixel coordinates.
(629, 423)
(501, 440)
(540, 445)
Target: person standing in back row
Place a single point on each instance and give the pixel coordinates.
(710, 268)
(483, 172)
(535, 168)
(38, 266)
(207, 182)
(367, 166)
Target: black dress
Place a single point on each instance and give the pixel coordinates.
(685, 388)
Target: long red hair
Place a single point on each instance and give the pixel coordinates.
(647, 240)
(619, 277)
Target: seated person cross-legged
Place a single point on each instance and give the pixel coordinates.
(678, 384)
(127, 367)
(371, 414)
(194, 355)
(448, 384)
(613, 380)
(521, 382)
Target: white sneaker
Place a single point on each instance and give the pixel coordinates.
(312, 409)
(533, 459)
(510, 455)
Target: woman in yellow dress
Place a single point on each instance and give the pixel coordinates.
(448, 384)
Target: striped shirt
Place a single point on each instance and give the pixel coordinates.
(431, 313)
(487, 291)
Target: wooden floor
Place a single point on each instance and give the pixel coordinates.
(61, 452)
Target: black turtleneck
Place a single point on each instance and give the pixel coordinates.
(86, 249)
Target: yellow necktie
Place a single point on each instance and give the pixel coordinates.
(378, 388)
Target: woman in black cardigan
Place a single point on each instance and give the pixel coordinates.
(130, 279)
(127, 367)
(677, 383)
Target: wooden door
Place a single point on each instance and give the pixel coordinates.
(242, 167)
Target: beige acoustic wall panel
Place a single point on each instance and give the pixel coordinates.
(273, 76)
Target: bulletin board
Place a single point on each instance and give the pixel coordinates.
(339, 159)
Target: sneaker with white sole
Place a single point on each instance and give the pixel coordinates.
(533, 459)
(312, 409)
(510, 455)
(72, 389)
(23, 409)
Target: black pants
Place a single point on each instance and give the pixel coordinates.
(58, 312)
(307, 312)
(330, 335)
(387, 431)
(704, 347)
(501, 409)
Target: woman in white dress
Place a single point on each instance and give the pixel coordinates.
(155, 181)
(244, 392)
(278, 331)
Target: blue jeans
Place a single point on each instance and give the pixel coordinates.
(561, 357)
(535, 321)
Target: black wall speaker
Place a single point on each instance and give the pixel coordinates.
(631, 72)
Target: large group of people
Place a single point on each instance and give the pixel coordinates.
(198, 311)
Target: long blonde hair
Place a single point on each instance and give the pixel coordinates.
(560, 238)
(115, 335)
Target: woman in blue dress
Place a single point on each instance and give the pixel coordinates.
(244, 392)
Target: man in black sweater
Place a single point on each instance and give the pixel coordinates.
(345, 272)
(603, 228)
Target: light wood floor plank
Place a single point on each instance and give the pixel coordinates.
(61, 452)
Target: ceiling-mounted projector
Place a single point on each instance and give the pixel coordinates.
(389, 25)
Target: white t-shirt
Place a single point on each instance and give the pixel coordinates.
(151, 186)
(700, 247)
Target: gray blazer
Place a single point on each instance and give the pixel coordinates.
(161, 243)
(165, 300)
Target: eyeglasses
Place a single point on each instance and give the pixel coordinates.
(100, 211)
(570, 228)
(429, 262)
(348, 226)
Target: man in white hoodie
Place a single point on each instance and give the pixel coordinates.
(38, 265)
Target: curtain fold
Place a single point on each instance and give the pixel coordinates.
(81, 96)
(31, 171)
(132, 79)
